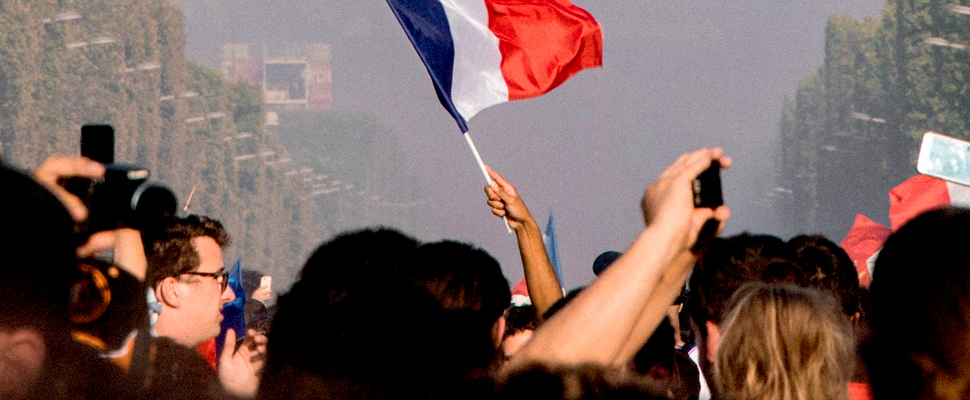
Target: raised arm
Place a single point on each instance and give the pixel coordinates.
(668, 288)
(540, 277)
(598, 324)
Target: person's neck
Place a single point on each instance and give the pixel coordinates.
(172, 328)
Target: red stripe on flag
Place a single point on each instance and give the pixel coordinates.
(543, 43)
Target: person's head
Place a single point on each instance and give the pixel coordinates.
(919, 321)
(659, 349)
(829, 268)
(561, 303)
(520, 323)
(723, 267)
(355, 259)
(463, 278)
(350, 327)
(171, 249)
(36, 272)
(783, 342)
(187, 272)
(727, 264)
(604, 260)
(574, 382)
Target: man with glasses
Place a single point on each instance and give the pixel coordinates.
(189, 281)
(185, 268)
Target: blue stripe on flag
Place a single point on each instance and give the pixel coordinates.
(426, 24)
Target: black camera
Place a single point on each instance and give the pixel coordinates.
(707, 194)
(707, 187)
(125, 197)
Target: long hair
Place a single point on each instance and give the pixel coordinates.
(782, 342)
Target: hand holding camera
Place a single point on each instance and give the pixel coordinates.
(687, 195)
(57, 168)
(104, 197)
(124, 197)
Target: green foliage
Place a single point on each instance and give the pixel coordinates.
(852, 132)
(50, 86)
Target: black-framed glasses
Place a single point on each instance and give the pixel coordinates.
(222, 278)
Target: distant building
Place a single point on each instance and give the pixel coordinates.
(294, 76)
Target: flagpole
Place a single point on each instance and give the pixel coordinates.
(481, 164)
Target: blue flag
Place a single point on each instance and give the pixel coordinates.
(233, 312)
(552, 247)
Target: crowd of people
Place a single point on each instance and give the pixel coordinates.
(377, 314)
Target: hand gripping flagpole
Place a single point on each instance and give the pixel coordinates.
(481, 164)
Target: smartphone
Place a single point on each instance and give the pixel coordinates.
(707, 194)
(266, 282)
(98, 143)
(707, 187)
(944, 157)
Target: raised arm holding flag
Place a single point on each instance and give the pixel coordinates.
(541, 278)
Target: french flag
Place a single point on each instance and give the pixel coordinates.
(483, 52)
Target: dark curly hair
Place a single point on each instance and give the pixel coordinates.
(170, 251)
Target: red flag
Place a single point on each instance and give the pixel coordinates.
(863, 241)
(520, 294)
(914, 196)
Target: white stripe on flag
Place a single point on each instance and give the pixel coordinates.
(477, 81)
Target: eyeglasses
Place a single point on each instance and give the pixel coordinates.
(222, 277)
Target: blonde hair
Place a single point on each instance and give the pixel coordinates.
(781, 342)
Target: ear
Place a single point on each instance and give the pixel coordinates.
(713, 338)
(22, 353)
(498, 330)
(169, 292)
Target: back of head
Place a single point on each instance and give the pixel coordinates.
(170, 250)
(351, 328)
(919, 321)
(340, 289)
(370, 253)
(37, 272)
(574, 382)
(829, 268)
(559, 304)
(672, 370)
(659, 349)
(38, 258)
(727, 264)
(461, 277)
(385, 340)
(783, 342)
(519, 319)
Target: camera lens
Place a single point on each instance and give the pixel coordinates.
(152, 202)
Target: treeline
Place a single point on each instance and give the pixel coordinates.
(65, 63)
(853, 129)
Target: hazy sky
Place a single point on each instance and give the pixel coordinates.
(677, 75)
